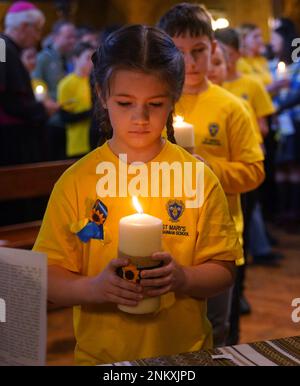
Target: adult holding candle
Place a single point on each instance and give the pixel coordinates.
(286, 123)
(39, 87)
(21, 116)
(90, 237)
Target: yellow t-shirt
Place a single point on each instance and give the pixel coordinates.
(244, 67)
(74, 94)
(225, 137)
(254, 120)
(252, 91)
(103, 333)
(257, 67)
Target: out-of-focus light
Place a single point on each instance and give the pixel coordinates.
(220, 23)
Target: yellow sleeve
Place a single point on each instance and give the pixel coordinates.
(266, 75)
(262, 102)
(245, 170)
(55, 238)
(217, 238)
(65, 94)
(244, 67)
(254, 121)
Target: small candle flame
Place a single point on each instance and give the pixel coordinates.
(178, 119)
(281, 67)
(39, 89)
(137, 205)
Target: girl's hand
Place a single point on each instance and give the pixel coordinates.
(108, 287)
(159, 281)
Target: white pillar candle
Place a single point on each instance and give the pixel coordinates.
(140, 235)
(40, 93)
(184, 134)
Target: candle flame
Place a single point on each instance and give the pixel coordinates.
(137, 205)
(39, 89)
(178, 119)
(281, 67)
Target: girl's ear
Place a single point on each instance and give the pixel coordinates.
(99, 95)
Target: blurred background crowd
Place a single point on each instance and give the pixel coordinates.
(53, 119)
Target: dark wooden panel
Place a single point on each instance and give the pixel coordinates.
(20, 236)
(30, 181)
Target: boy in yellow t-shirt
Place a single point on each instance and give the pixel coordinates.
(224, 134)
(252, 62)
(218, 74)
(139, 76)
(75, 98)
(244, 86)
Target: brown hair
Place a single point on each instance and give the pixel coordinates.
(138, 48)
(186, 18)
(229, 36)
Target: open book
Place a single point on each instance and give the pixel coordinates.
(23, 307)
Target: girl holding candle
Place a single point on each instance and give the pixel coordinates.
(139, 75)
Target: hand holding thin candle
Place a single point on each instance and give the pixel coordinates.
(283, 81)
(40, 93)
(281, 70)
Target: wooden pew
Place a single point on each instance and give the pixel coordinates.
(27, 181)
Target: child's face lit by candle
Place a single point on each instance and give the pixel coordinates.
(138, 105)
(197, 53)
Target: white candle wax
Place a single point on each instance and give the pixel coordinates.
(184, 134)
(140, 236)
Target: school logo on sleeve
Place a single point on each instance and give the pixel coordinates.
(214, 129)
(175, 210)
(213, 139)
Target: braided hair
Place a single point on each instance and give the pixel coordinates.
(138, 48)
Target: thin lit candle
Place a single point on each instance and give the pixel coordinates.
(40, 93)
(184, 133)
(281, 70)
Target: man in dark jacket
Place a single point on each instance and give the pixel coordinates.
(21, 116)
